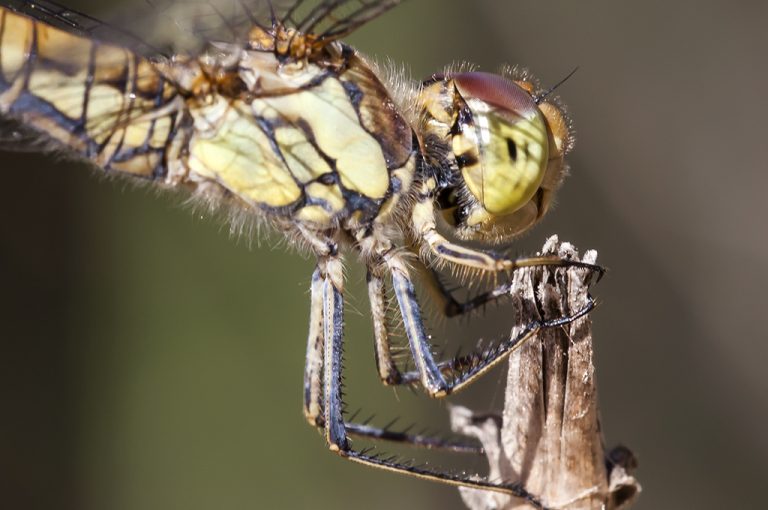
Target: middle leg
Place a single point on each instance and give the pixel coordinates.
(445, 377)
(314, 384)
(336, 430)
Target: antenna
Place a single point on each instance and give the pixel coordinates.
(538, 99)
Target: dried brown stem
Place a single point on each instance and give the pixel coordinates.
(550, 437)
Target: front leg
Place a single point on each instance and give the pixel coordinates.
(443, 251)
(444, 300)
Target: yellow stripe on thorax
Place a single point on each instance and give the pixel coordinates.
(333, 121)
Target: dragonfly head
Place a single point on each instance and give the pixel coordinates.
(506, 147)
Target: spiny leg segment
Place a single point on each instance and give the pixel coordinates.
(314, 383)
(336, 430)
(448, 376)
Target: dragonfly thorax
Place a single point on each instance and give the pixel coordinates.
(283, 41)
(316, 141)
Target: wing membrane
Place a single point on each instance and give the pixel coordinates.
(82, 24)
(333, 19)
(199, 21)
(165, 27)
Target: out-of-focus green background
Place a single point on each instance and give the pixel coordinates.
(148, 361)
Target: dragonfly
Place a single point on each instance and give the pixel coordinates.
(267, 114)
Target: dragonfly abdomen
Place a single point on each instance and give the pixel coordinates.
(102, 101)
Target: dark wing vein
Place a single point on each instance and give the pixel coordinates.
(79, 23)
(167, 27)
(333, 19)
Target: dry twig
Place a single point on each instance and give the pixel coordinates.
(549, 435)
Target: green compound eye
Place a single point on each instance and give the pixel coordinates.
(506, 152)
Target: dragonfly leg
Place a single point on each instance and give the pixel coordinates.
(336, 430)
(444, 251)
(313, 367)
(389, 373)
(442, 378)
(447, 303)
(314, 387)
(461, 370)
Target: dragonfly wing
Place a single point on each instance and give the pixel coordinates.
(334, 19)
(202, 21)
(167, 27)
(82, 24)
(103, 102)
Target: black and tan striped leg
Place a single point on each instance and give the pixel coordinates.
(336, 430)
(314, 371)
(389, 373)
(314, 383)
(313, 367)
(460, 370)
(425, 228)
(444, 299)
(442, 378)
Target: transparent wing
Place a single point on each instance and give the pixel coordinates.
(333, 19)
(202, 21)
(80, 23)
(166, 27)
(178, 25)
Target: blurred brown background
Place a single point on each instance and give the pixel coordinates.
(147, 361)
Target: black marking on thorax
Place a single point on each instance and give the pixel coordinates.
(269, 131)
(354, 94)
(357, 202)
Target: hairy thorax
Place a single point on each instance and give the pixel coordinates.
(316, 141)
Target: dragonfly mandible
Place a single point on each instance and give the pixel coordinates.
(273, 118)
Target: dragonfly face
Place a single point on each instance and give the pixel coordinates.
(283, 122)
(507, 146)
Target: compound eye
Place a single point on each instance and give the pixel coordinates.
(498, 92)
(501, 147)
